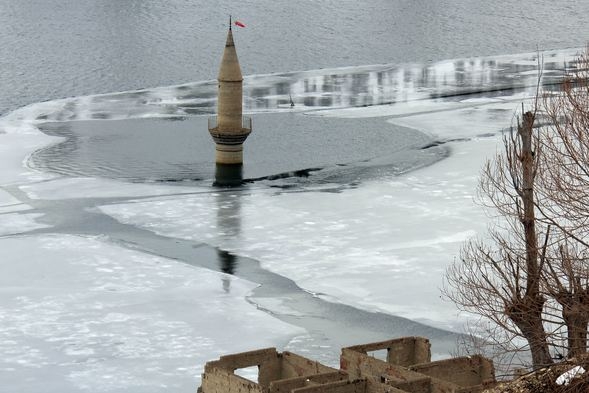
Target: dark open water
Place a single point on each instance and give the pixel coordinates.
(282, 146)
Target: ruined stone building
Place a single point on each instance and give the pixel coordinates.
(407, 369)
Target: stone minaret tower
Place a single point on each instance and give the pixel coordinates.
(229, 128)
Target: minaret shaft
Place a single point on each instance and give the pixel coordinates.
(230, 128)
(230, 107)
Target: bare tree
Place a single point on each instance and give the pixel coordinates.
(502, 282)
(566, 282)
(564, 199)
(531, 276)
(565, 142)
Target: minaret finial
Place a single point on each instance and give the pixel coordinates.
(229, 21)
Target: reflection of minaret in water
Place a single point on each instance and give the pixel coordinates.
(229, 128)
(229, 227)
(227, 262)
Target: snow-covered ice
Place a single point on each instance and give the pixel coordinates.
(71, 188)
(8, 203)
(7, 199)
(14, 150)
(367, 247)
(79, 314)
(17, 223)
(370, 246)
(83, 314)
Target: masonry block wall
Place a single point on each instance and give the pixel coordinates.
(404, 351)
(407, 369)
(359, 365)
(466, 374)
(463, 371)
(220, 377)
(289, 385)
(293, 365)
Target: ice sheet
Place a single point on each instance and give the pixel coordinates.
(7, 199)
(14, 208)
(68, 188)
(343, 87)
(470, 116)
(8, 203)
(14, 148)
(78, 314)
(17, 223)
(81, 315)
(479, 119)
(383, 246)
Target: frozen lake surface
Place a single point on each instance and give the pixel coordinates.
(122, 269)
(105, 278)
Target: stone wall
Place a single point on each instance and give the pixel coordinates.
(463, 371)
(464, 374)
(407, 369)
(288, 385)
(293, 365)
(220, 377)
(359, 365)
(223, 381)
(404, 351)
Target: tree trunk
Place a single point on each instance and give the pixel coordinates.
(576, 319)
(527, 315)
(528, 218)
(526, 312)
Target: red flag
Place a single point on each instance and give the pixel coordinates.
(238, 23)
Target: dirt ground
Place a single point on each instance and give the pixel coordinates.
(544, 380)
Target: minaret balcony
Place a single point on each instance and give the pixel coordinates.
(230, 136)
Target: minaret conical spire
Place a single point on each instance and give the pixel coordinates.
(230, 71)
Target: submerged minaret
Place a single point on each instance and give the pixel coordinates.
(229, 128)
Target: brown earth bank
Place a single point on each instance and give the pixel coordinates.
(544, 380)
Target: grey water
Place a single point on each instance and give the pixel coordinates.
(61, 48)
